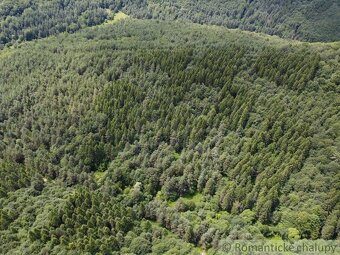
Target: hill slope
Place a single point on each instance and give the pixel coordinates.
(315, 20)
(113, 136)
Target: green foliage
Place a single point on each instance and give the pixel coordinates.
(140, 246)
(293, 234)
(13, 176)
(204, 134)
(315, 20)
(28, 20)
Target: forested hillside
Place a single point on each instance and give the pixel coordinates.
(316, 20)
(159, 137)
(308, 20)
(25, 20)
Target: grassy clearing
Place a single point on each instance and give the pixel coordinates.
(116, 17)
(196, 198)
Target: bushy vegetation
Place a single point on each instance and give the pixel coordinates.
(154, 137)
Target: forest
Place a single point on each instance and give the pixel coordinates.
(307, 20)
(144, 135)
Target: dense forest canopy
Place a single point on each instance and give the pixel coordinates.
(149, 127)
(159, 137)
(316, 20)
(309, 20)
